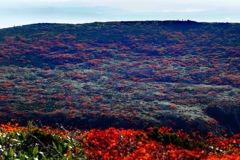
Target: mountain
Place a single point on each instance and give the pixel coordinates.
(181, 74)
(20, 16)
(74, 14)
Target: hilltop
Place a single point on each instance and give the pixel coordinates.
(181, 74)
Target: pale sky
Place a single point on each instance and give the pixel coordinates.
(20, 12)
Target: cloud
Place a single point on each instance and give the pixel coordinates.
(17, 12)
(184, 10)
(131, 5)
(227, 18)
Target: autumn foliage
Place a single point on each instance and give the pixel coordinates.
(129, 75)
(156, 143)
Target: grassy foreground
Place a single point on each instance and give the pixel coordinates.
(32, 142)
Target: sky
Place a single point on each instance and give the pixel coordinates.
(22, 12)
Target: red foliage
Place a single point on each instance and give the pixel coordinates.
(123, 144)
(118, 144)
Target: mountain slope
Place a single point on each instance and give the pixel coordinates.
(122, 74)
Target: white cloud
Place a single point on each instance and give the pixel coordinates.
(204, 10)
(227, 19)
(183, 10)
(131, 5)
